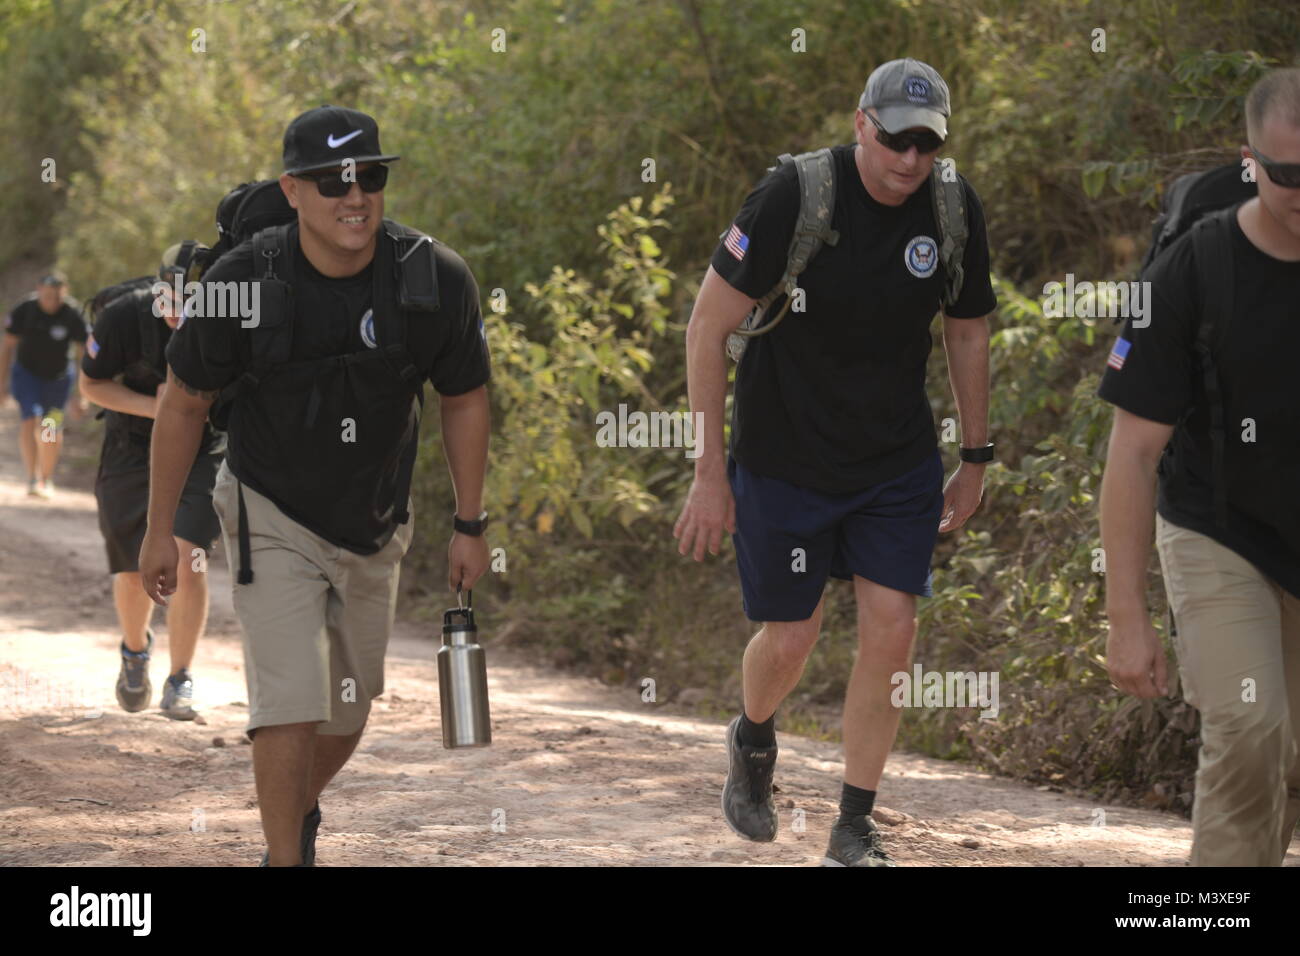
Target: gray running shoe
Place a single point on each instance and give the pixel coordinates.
(856, 843)
(178, 696)
(747, 803)
(133, 687)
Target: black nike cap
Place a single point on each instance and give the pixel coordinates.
(325, 136)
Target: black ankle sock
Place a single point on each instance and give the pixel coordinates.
(856, 802)
(757, 735)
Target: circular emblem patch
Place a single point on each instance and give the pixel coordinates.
(368, 329)
(917, 89)
(921, 257)
(58, 332)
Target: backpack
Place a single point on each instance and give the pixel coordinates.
(151, 347)
(247, 209)
(812, 230)
(1201, 203)
(411, 286)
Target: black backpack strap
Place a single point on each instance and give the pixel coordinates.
(1212, 256)
(407, 260)
(151, 348)
(406, 470)
(268, 345)
(245, 575)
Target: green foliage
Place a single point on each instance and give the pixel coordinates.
(514, 156)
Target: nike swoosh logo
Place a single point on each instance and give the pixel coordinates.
(336, 143)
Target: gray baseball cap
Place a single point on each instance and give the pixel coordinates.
(907, 93)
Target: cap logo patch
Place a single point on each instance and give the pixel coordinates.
(336, 143)
(921, 257)
(917, 89)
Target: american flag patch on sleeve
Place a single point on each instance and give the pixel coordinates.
(736, 242)
(1119, 353)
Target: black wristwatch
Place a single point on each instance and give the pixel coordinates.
(473, 528)
(977, 456)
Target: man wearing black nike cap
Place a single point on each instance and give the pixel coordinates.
(321, 393)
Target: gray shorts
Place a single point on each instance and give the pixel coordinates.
(315, 619)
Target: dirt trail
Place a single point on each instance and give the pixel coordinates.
(578, 773)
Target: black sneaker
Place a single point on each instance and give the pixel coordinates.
(856, 843)
(133, 687)
(310, 824)
(747, 803)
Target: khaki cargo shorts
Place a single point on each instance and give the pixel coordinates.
(315, 619)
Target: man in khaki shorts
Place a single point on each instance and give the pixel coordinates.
(1227, 525)
(319, 378)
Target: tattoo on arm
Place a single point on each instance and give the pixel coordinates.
(191, 390)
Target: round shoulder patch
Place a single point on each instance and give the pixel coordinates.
(921, 256)
(368, 329)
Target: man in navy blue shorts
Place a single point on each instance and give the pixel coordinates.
(834, 468)
(39, 333)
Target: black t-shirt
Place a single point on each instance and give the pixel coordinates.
(115, 350)
(833, 399)
(1155, 373)
(285, 438)
(449, 346)
(43, 338)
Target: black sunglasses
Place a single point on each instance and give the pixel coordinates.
(1286, 175)
(333, 185)
(926, 141)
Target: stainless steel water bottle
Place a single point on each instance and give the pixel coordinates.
(462, 680)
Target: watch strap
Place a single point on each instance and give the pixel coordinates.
(474, 528)
(977, 456)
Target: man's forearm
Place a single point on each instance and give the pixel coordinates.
(175, 444)
(1127, 520)
(466, 423)
(706, 386)
(117, 397)
(968, 372)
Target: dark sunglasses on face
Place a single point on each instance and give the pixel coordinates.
(1286, 175)
(925, 141)
(333, 185)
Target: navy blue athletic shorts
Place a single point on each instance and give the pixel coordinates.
(885, 533)
(35, 395)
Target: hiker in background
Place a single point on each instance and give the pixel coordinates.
(124, 371)
(322, 392)
(834, 468)
(39, 333)
(1206, 400)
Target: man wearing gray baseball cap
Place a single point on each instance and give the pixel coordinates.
(833, 468)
